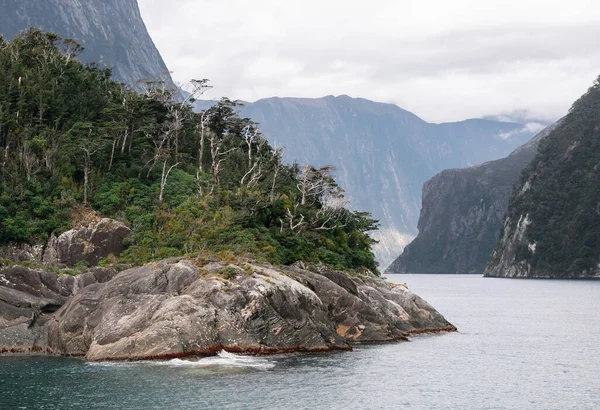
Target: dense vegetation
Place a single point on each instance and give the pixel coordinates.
(185, 182)
(560, 194)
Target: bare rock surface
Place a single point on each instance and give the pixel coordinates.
(88, 244)
(175, 308)
(28, 299)
(96, 240)
(22, 252)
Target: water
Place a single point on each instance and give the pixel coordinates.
(522, 344)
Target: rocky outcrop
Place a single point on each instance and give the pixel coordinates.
(28, 299)
(112, 32)
(462, 214)
(88, 244)
(175, 308)
(22, 252)
(552, 227)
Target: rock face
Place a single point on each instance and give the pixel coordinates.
(22, 252)
(29, 297)
(383, 154)
(462, 214)
(174, 308)
(552, 228)
(112, 32)
(88, 244)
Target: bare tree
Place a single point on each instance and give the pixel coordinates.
(333, 213)
(277, 158)
(87, 160)
(161, 147)
(253, 139)
(112, 154)
(250, 135)
(194, 89)
(163, 179)
(29, 160)
(203, 127)
(217, 156)
(313, 182)
(295, 222)
(158, 87)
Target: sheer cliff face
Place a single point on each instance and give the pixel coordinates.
(112, 32)
(462, 213)
(383, 154)
(552, 228)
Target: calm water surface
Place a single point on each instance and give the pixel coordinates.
(522, 344)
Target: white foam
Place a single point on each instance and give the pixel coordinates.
(222, 359)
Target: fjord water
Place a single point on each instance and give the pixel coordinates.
(522, 344)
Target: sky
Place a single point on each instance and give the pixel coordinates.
(442, 60)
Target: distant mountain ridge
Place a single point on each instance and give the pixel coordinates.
(112, 32)
(382, 152)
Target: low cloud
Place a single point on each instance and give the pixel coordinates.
(532, 127)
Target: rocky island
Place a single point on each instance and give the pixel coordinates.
(183, 307)
(132, 227)
(178, 307)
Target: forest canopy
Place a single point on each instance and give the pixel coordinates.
(186, 182)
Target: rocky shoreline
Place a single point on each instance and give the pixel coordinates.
(181, 307)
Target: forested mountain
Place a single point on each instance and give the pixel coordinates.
(186, 183)
(462, 214)
(552, 228)
(383, 154)
(111, 31)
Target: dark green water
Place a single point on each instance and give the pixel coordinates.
(522, 345)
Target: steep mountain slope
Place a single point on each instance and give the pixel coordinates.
(462, 213)
(552, 228)
(112, 32)
(383, 153)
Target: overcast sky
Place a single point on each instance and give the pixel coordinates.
(442, 60)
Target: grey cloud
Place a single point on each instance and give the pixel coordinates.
(441, 61)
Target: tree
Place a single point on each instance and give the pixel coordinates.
(314, 182)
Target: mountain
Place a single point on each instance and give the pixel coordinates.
(112, 32)
(462, 213)
(383, 154)
(552, 228)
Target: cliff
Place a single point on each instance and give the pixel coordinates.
(112, 32)
(552, 228)
(462, 213)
